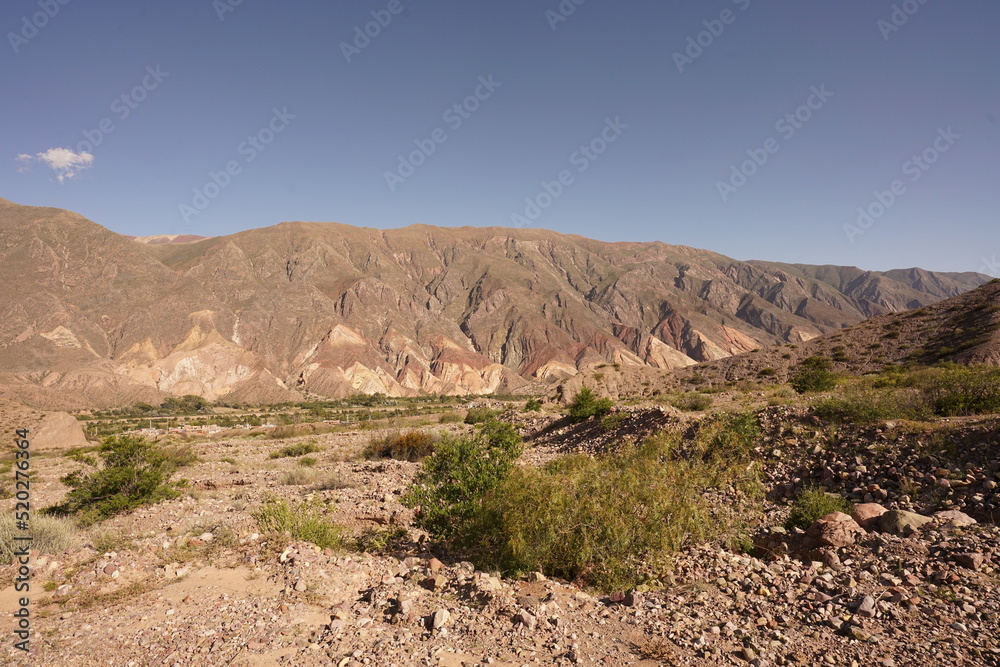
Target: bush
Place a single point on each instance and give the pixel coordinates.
(49, 535)
(611, 422)
(450, 418)
(586, 405)
(692, 401)
(955, 391)
(814, 374)
(533, 405)
(480, 415)
(302, 520)
(300, 449)
(135, 473)
(814, 503)
(611, 522)
(410, 446)
(449, 489)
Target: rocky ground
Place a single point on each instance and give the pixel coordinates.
(193, 581)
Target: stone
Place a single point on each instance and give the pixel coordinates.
(206, 537)
(300, 586)
(867, 515)
(900, 522)
(970, 561)
(954, 518)
(434, 565)
(867, 607)
(435, 583)
(440, 618)
(835, 530)
(526, 619)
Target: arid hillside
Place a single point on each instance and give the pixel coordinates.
(92, 318)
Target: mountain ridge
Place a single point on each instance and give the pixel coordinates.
(305, 308)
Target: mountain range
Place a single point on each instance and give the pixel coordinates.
(94, 318)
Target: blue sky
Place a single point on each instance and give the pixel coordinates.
(603, 119)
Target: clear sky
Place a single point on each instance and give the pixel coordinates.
(756, 129)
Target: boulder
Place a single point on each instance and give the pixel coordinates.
(835, 530)
(954, 518)
(899, 522)
(867, 515)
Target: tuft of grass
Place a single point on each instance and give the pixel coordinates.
(291, 451)
(299, 476)
(813, 504)
(334, 482)
(409, 446)
(303, 520)
(692, 401)
(49, 535)
(308, 461)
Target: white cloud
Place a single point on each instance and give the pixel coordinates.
(63, 161)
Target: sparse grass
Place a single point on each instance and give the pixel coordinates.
(299, 476)
(333, 482)
(303, 520)
(93, 597)
(50, 535)
(814, 503)
(613, 421)
(382, 541)
(300, 449)
(946, 390)
(692, 401)
(230, 460)
(107, 541)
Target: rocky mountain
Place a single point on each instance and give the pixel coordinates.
(91, 317)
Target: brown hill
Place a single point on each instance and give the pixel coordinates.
(93, 318)
(964, 329)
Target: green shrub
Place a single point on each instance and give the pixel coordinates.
(449, 489)
(301, 449)
(586, 405)
(450, 418)
(303, 520)
(480, 415)
(610, 522)
(814, 503)
(955, 391)
(767, 372)
(409, 446)
(134, 473)
(860, 404)
(692, 401)
(533, 405)
(308, 461)
(49, 535)
(814, 374)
